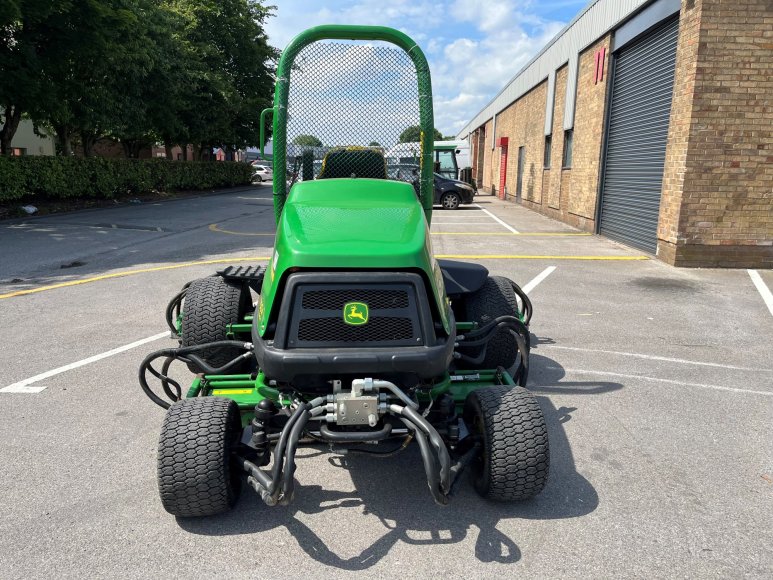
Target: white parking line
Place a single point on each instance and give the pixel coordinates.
(654, 357)
(762, 289)
(496, 219)
(539, 278)
(23, 386)
(668, 381)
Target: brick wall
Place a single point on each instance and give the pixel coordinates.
(557, 143)
(717, 207)
(523, 123)
(588, 136)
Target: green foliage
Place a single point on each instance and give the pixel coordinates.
(141, 71)
(307, 141)
(95, 177)
(412, 134)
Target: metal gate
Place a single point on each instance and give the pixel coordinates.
(637, 132)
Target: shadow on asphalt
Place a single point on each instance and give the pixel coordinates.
(394, 491)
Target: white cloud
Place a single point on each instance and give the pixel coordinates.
(474, 48)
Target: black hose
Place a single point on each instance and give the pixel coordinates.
(182, 354)
(382, 454)
(430, 464)
(292, 444)
(173, 308)
(355, 436)
(527, 307)
(442, 451)
(279, 449)
(177, 395)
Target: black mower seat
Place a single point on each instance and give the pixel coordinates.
(462, 277)
(353, 162)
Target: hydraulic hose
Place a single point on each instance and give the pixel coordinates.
(184, 354)
(288, 483)
(527, 307)
(355, 436)
(428, 459)
(442, 452)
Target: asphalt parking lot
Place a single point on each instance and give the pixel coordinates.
(657, 386)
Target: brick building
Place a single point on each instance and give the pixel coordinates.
(649, 122)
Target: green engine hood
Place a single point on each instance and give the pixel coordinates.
(351, 224)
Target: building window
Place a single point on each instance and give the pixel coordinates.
(18, 152)
(548, 147)
(568, 138)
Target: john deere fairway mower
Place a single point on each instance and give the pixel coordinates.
(353, 334)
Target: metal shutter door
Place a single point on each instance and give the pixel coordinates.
(636, 141)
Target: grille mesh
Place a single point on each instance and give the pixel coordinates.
(378, 329)
(336, 299)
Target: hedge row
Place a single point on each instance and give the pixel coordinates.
(95, 177)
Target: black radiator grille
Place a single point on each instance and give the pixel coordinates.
(317, 315)
(378, 329)
(336, 299)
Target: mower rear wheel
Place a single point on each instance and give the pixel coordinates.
(211, 304)
(494, 299)
(195, 473)
(515, 458)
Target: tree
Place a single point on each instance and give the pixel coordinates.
(307, 141)
(23, 87)
(413, 134)
(228, 71)
(374, 144)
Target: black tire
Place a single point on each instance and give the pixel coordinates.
(259, 179)
(211, 304)
(450, 200)
(195, 473)
(495, 298)
(515, 459)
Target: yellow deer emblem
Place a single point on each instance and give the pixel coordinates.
(355, 313)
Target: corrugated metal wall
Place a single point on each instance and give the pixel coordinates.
(642, 87)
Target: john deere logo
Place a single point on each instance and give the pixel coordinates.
(355, 313)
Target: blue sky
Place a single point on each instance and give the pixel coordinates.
(474, 46)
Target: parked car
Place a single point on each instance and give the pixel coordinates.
(262, 173)
(449, 193)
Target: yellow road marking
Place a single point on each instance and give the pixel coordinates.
(253, 258)
(128, 273)
(505, 234)
(522, 257)
(215, 228)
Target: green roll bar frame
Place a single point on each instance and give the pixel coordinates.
(279, 110)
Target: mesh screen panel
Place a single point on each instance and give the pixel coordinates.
(334, 329)
(336, 299)
(348, 103)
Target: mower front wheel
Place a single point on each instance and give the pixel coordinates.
(195, 472)
(515, 455)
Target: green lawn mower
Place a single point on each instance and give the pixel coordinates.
(353, 335)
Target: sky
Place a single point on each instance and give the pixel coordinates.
(474, 47)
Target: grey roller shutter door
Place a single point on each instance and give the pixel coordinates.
(642, 85)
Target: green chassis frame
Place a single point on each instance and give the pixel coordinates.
(247, 391)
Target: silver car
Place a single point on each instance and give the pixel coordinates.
(262, 173)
